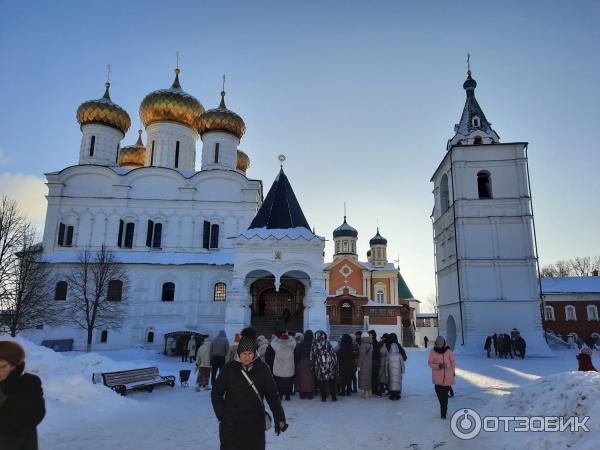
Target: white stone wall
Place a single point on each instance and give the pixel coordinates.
(228, 145)
(106, 146)
(163, 137)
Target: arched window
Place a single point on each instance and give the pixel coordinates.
(592, 312)
(168, 292)
(476, 122)
(104, 336)
(337, 247)
(115, 291)
(570, 312)
(353, 247)
(379, 296)
(345, 245)
(549, 313)
(150, 337)
(478, 140)
(60, 292)
(214, 236)
(220, 292)
(65, 235)
(444, 194)
(484, 184)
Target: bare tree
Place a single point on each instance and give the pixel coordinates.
(564, 269)
(581, 265)
(12, 225)
(28, 299)
(98, 285)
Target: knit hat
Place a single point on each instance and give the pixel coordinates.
(440, 341)
(12, 352)
(247, 344)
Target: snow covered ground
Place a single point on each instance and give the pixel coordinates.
(82, 415)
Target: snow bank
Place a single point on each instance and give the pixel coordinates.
(565, 394)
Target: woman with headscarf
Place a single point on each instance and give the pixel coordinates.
(305, 377)
(238, 397)
(442, 363)
(365, 364)
(324, 362)
(22, 405)
(395, 363)
(346, 358)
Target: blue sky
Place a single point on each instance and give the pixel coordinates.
(361, 97)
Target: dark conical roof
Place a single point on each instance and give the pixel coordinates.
(378, 239)
(280, 209)
(472, 109)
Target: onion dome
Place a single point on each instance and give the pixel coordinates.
(378, 239)
(221, 119)
(105, 112)
(345, 230)
(243, 161)
(170, 105)
(133, 155)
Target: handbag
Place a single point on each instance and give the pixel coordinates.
(268, 419)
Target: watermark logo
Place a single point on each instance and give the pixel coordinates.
(467, 423)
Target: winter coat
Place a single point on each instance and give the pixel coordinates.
(442, 377)
(305, 377)
(263, 343)
(365, 363)
(488, 343)
(270, 357)
(383, 364)
(346, 358)
(22, 408)
(395, 364)
(203, 355)
(520, 345)
(283, 364)
(239, 411)
(220, 346)
(322, 358)
(191, 347)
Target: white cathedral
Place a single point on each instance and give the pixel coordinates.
(201, 247)
(193, 242)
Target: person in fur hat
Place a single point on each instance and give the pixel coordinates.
(443, 365)
(239, 407)
(22, 405)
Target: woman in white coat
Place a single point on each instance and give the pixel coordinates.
(395, 364)
(283, 365)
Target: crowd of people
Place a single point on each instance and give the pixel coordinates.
(504, 345)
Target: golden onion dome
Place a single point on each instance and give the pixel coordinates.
(221, 119)
(171, 105)
(243, 161)
(104, 111)
(133, 155)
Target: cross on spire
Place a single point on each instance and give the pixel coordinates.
(108, 73)
(468, 64)
(223, 83)
(177, 58)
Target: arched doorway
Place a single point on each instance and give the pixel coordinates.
(346, 313)
(451, 332)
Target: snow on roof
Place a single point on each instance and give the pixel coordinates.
(388, 266)
(280, 233)
(372, 303)
(570, 284)
(223, 257)
(427, 315)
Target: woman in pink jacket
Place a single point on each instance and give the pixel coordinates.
(441, 361)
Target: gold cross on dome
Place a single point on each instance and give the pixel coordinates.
(177, 57)
(223, 83)
(108, 72)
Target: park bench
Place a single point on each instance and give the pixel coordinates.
(135, 379)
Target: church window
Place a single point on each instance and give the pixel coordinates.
(345, 246)
(592, 312)
(477, 140)
(168, 292)
(92, 145)
(353, 247)
(177, 155)
(216, 153)
(65, 235)
(337, 247)
(154, 234)
(379, 296)
(115, 291)
(549, 310)
(60, 291)
(150, 337)
(476, 122)
(220, 292)
(104, 337)
(484, 184)
(152, 155)
(444, 194)
(570, 313)
(126, 231)
(333, 311)
(210, 237)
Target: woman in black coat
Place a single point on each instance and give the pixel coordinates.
(346, 358)
(240, 412)
(22, 405)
